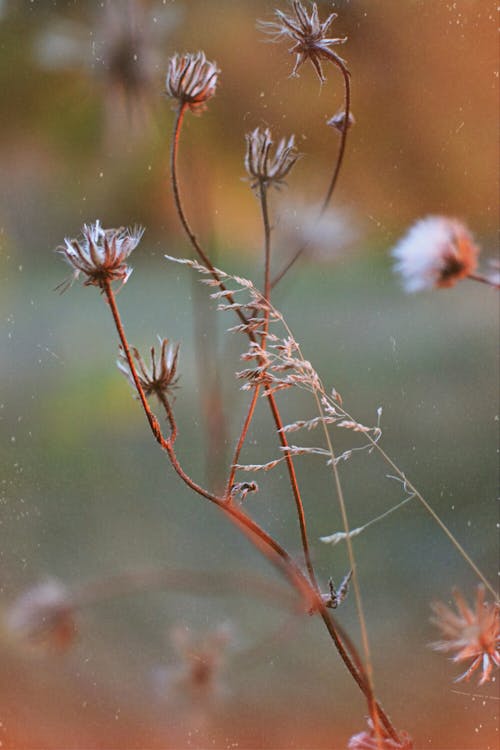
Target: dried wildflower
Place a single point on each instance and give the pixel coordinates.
(368, 740)
(264, 168)
(337, 596)
(100, 254)
(160, 378)
(309, 35)
(436, 252)
(242, 489)
(191, 79)
(474, 634)
(338, 121)
(200, 660)
(43, 616)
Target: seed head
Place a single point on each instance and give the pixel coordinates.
(43, 616)
(100, 254)
(368, 740)
(474, 634)
(264, 167)
(160, 378)
(338, 121)
(436, 252)
(309, 35)
(191, 79)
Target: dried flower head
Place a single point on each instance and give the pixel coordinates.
(368, 740)
(474, 634)
(200, 659)
(100, 254)
(262, 166)
(338, 121)
(436, 252)
(309, 35)
(43, 616)
(161, 377)
(191, 79)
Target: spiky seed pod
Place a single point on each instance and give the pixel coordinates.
(192, 80)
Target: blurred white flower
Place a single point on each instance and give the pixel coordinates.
(43, 616)
(436, 252)
(321, 238)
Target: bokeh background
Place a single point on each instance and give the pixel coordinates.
(85, 133)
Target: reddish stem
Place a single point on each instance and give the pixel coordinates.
(338, 163)
(483, 280)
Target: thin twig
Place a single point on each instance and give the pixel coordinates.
(336, 169)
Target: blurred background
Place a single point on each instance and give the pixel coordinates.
(87, 495)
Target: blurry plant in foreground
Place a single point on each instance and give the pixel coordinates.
(473, 634)
(368, 740)
(123, 47)
(437, 252)
(43, 617)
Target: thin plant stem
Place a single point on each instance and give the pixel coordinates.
(354, 568)
(295, 488)
(271, 400)
(351, 556)
(336, 169)
(182, 215)
(182, 580)
(230, 508)
(343, 135)
(483, 280)
(255, 533)
(241, 439)
(201, 253)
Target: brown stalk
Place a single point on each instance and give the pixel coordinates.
(182, 215)
(260, 538)
(338, 162)
(483, 280)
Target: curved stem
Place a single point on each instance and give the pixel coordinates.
(182, 215)
(338, 163)
(206, 582)
(343, 135)
(261, 539)
(255, 533)
(483, 280)
(110, 297)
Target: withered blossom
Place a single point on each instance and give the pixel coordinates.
(195, 676)
(309, 35)
(100, 254)
(474, 634)
(43, 617)
(263, 167)
(368, 740)
(338, 121)
(191, 80)
(436, 252)
(160, 378)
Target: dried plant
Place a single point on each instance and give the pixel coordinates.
(473, 634)
(437, 253)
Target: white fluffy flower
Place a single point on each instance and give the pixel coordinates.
(436, 252)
